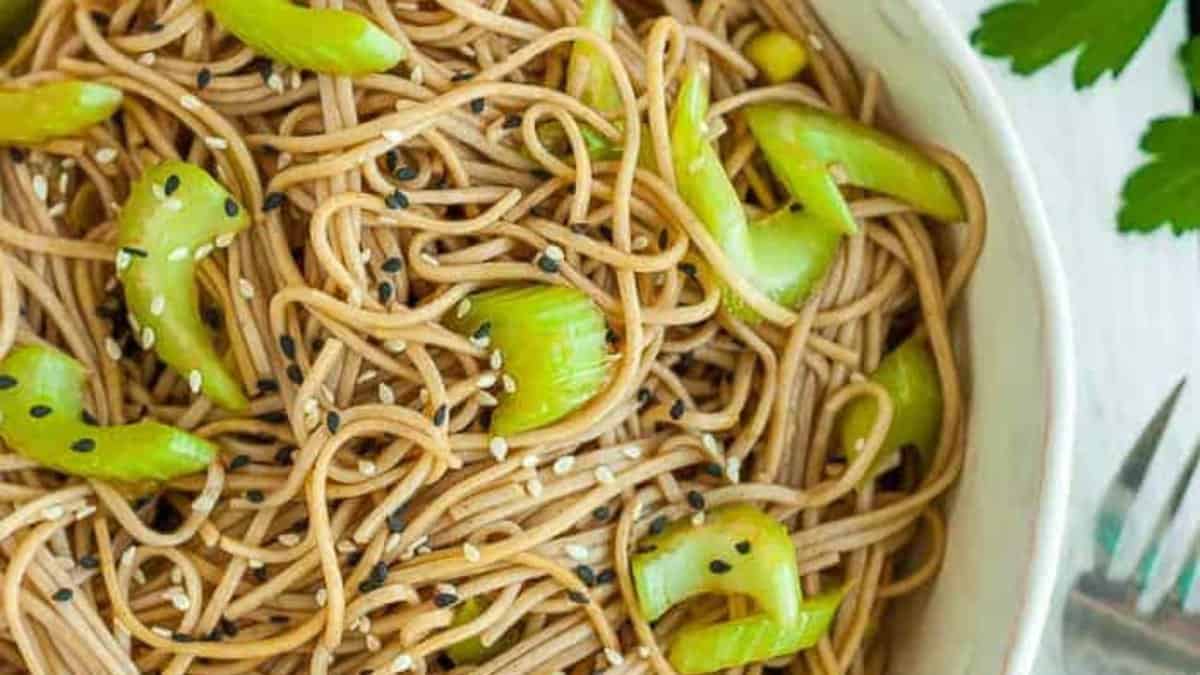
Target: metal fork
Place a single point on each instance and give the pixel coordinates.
(1144, 618)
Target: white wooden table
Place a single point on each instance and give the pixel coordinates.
(1135, 301)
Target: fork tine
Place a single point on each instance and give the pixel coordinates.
(1175, 538)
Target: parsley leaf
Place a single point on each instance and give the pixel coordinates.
(1034, 33)
(1167, 189)
(1190, 55)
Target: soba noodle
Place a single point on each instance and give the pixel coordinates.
(341, 477)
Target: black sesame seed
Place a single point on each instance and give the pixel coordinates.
(134, 251)
(439, 416)
(742, 547)
(601, 513)
(212, 317)
(332, 421)
(379, 572)
(294, 374)
(273, 201)
(288, 346)
(229, 627)
(392, 265)
(391, 160)
(156, 26)
(89, 562)
(547, 264)
(462, 76)
(611, 336)
(512, 121)
(719, 566)
(203, 78)
(578, 597)
(274, 417)
(40, 411)
(255, 496)
(366, 586)
(606, 577)
(283, 456)
(354, 557)
(396, 200)
(643, 395)
(542, 174)
(796, 207)
(17, 155)
(83, 445)
(63, 595)
(214, 635)
(395, 521)
(88, 418)
(238, 462)
(695, 500)
(260, 574)
(171, 185)
(268, 384)
(264, 67)
(231, 207)
(677, 409)
(688, 269)
(484, 331)
(658, 525)
(713, 469)
(443, 600)
(181, 637)
(645, 548)
(7, 381)
(385, 290)
(586, 574)
(405, 173)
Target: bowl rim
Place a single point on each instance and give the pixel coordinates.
(1040, 574)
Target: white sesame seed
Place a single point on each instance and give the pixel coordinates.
(57, 210)
(128, 556)
(402, 663)
(486, 381)
(632, 451)
(255, 564)
(470, 552)
(133, 323)
(321, 596)
(393, 136)
(105, 156)
(53, 512)
(417, 75)
(430, 260)
(245, 288)
(614, 657)
(563, 464)
(423, 396)
(462, 308)
(202, 251)
(289, 539)
(640, 242)
(139, 576)
(366, 467)
(733, 469)
(112, 348)
(158, 304)
(161, 632)
(195, 380)
(157, 190)
(181, 601)
(604, 474)
(283, 161)
(487, 400)
(148, 337)
(530, 461)
(392, 543)
(346, 546)
(216, 143)
(85, 512)
(534, 488)
(275, 83)
(373, 644)
(577, 552)
(176, 575)
(554, 252)
(311, 406)
(41, 189)
(860, 444)
(177, 254)
(643, 651)
(816, 42)
(498, 447)
(224, 240)
(698, 518)
(387, 395)
(711, 444)
(297, 79)
(496, 360)
(510, 385)
(367, 376)
(147, 59)
(449, 589)
(173, 204)
(396, 345)
(189, 102)
(365, 255)
(123, 260)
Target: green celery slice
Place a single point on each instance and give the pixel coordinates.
(161, 234)
(778, 55)
(329, 41)
(472, 651)
(35, 379)
(553, 343)
(55, 110)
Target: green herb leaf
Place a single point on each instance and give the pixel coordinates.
(1190, 55)
(1167, 189)
(1034, 33)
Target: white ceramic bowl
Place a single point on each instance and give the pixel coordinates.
(985, 613)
